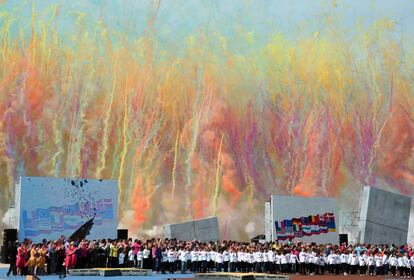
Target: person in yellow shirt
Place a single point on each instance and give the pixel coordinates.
(277, 246)
(41, 261)
(32, 262)
(113, 254)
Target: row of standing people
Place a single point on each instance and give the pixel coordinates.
(285, 262)
(232, 256)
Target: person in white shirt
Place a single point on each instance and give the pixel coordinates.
(371, 264)
(277, 262)
(254, 262)
(146, 258)
(211, 257)
(349, 261)
(302, 261)
(412, 265)
(194, 260)
(240, 261)
(203, 258)
(378, 264)
(219, 261)
(331, 262)
(233, 260)
(311, 263)
(293, 260)
(321, 263)
(338, 263)
(226, 260)
(251, 261)
(344, 263)
(393, 262)
(271, 259)
(140, 258)
(258, 261)
(284, 263)
(171, 260)
(164, 260)
(245, 261)
(407, 264)
(188, 249)
(183, 256)
(265, 262)
(401, 265)
(385, 261)
(354, 263)
(121, 259)
(131, 258)
(316, 263)
(362, 261)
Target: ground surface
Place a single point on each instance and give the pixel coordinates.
(4, 268)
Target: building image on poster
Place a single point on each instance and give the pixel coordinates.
(52, 207)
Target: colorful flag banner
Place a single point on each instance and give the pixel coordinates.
(305, 226)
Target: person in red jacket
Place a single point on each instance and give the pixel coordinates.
(70, 260)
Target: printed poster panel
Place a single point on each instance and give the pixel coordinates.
(52, 207)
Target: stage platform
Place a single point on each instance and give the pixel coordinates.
(334, 277)
(239, 276)
(151, 276)
(263, 276)
(110, 272)
(210, 276)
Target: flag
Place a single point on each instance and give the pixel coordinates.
(277, 226)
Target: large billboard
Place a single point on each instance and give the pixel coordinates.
(306, 219)
(52, 207)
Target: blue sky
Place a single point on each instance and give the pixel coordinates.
(178, 18)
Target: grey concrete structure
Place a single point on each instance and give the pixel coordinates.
(268, 221)
(206, 229)
(384, 217)
(289, 207)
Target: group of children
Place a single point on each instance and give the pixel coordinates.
(164, 255)
(289, 259)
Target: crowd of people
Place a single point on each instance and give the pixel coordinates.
(164, 255)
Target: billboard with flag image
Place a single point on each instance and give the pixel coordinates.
(288, 229)
(305, 219)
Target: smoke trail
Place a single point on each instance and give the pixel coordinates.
(121, 191)
(175, 162)
(104, 149)
(56, 162)
(197, 113)
(218, 179)
(115, 161)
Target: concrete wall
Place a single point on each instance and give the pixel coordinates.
(182, 231)
(384, 217)
(204, 230)
(289, 207)
(268, 221)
